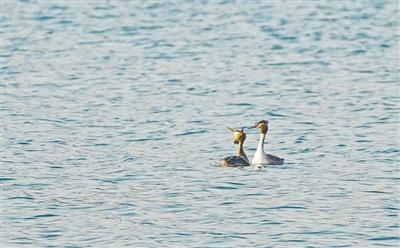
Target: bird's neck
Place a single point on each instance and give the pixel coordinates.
(240, 151)
(260, 146)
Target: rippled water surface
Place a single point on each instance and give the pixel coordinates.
(114, 115)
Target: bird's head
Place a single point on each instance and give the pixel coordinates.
(239, 136)
(261, 125)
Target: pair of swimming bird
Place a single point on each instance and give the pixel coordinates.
(260, 157)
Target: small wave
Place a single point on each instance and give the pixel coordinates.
(376, 192)
(21, 198)
(191, 132)
(3, 179)
(144, 139)
(44, 216)
(289, 207)
(385, 238)
(240, 104)
(223, 187)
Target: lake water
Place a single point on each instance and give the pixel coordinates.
(114, 115)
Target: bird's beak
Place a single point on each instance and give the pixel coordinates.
(231, 129)
(254, 126)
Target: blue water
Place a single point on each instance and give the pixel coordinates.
(114, 115)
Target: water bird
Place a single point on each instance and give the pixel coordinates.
(260, 157)
(240, 159)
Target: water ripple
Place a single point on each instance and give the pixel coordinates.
(114, 114)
